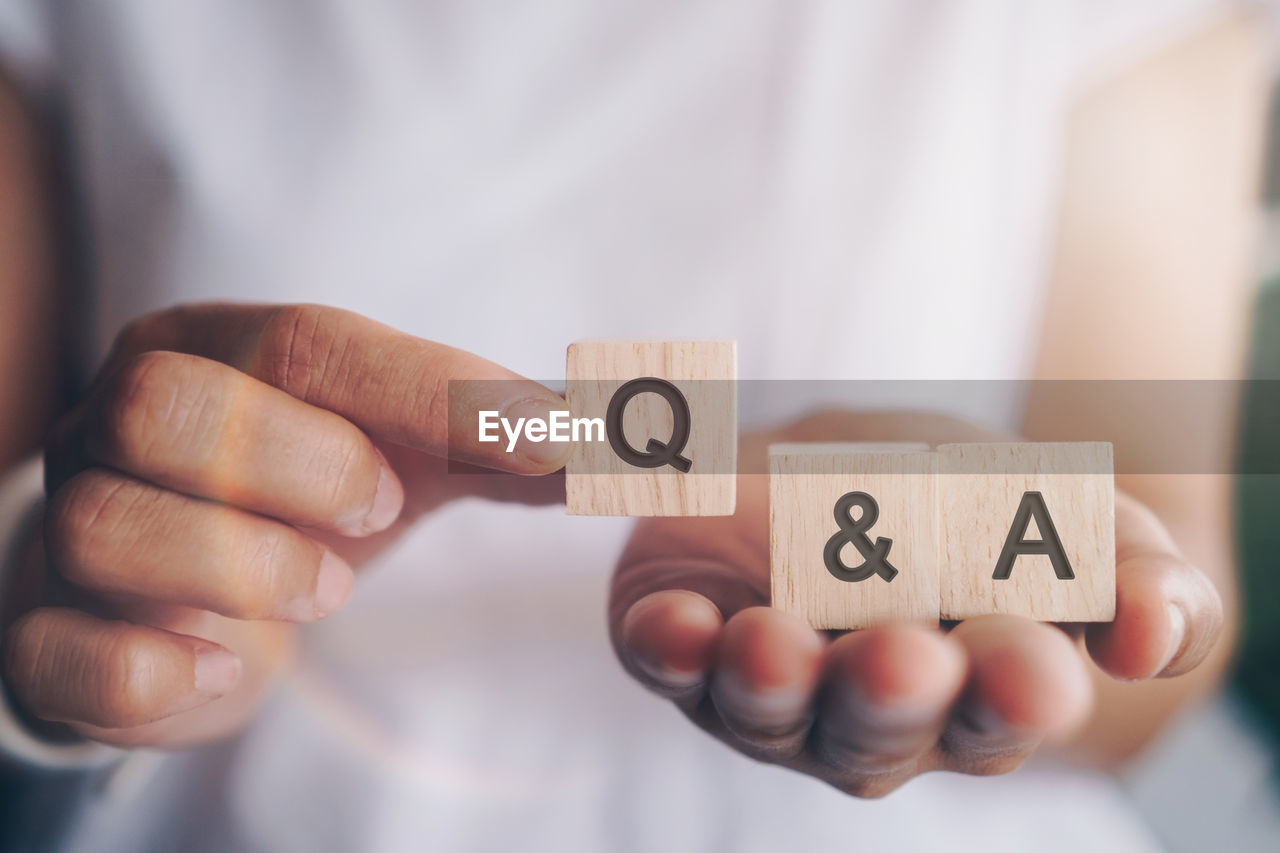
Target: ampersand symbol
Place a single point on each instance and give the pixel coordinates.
(875, 557)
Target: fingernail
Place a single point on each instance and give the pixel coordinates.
(217, 671)
(1177, 633)
(333, 585)
(334, 580)
(388, 500)
(773, 708)
(544, 452)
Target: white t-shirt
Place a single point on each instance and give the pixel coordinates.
(851, 190)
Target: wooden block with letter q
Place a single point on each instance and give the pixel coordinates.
(665, 440)
(1028, 529)
(853, 533)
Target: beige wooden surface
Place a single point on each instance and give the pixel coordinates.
(598, 482)
(979, 489)
(805, 482)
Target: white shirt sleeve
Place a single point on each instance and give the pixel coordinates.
(21, 495)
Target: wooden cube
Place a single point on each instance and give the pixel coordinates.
(1028, 529)
(821, 498)
(647, 467)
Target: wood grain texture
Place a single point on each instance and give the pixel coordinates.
(980, 487)
(599, 482)
(805, 482)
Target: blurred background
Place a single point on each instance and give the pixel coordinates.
(1230, 748)
(1215, 774)
(507, 178)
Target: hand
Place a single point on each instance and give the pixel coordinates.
(868, 710)
(227, 469)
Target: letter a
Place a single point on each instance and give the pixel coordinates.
(1032, 506)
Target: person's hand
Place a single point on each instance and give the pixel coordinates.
(226, 470)
(868, 710)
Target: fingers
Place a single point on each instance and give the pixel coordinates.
(1168, 613)
(767, 667)
(886, 695)
(1027, 683)
(67, 666)
(263, 648)
(111, 534)
(885, 703)
(668, 641)
(431, 481)
(394, 386)
(873, 708)
(200, 427)
(760, 669)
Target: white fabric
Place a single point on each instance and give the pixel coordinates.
(852, 190)
(21, 494)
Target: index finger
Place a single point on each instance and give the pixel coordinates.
(393, 385)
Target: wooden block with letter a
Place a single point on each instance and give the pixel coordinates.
(1028, 529)
(670, 416)
(853, 533)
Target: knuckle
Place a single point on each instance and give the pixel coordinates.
(84, 519)
(433, 395)
(301, 347)
(108, 682)
(125, 684)
(39, 665)
(157, 400)
(262, 577)
(25, 649)
(342, 469)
